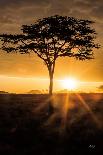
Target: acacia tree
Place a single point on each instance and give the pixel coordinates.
(53, 37)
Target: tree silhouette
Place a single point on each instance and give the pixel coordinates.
(53, 37)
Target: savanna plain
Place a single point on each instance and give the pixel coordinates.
(74, 126)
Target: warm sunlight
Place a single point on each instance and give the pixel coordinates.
(69, 83)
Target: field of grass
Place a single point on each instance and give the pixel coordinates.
(75, 125)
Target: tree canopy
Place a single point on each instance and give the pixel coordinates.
(54, 37)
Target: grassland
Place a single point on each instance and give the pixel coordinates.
(75, 125)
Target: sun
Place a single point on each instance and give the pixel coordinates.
(69, 83)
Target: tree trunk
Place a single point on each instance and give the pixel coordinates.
(50, 103)
(51, 73)
(51, 83)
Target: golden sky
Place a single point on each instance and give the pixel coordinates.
(21, 73)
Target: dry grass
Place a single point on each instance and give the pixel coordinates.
(76, 124)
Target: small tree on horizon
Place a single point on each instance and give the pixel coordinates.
(53, 37)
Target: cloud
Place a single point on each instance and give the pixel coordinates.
(24, 11)
(12, 3)
(14, 13)
(100, 87)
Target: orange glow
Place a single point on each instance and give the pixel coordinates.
(69, 83)
(25, 84)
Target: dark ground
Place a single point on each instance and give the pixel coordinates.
(27, 130)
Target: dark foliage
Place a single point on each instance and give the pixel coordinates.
(54, 37)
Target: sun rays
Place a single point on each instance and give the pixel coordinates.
(88, 109)
(63, 115)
